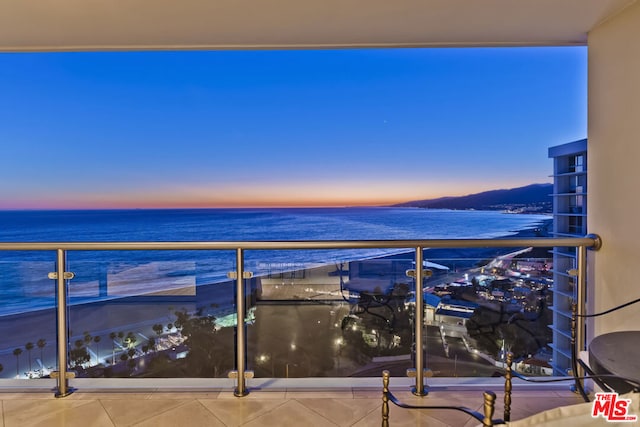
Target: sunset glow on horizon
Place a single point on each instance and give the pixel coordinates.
(282, 128)
(310, 196)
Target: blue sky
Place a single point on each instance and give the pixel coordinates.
(282, 128)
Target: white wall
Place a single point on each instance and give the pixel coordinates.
(614, 169)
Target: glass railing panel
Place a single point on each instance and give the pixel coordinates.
(27, 315)
(318, 313)
(477, 309)
(330, 319)
(151, 314)
(356, 317)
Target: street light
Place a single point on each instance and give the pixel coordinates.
(339, 342)
(264, 358)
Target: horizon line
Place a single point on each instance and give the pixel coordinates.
(203, 206)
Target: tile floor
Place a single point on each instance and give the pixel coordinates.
(356, 407)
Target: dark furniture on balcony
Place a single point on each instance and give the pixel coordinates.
(614, 362)
(616, 354)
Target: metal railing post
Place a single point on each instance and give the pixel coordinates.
(419, 389)
(63, 388)
(581, 294)
(241, 389)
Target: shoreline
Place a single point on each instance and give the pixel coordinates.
(138, 313)
(429, 253)
(541, 229)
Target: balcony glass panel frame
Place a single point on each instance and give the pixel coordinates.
(70, 247)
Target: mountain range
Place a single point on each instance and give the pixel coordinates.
(534, 198)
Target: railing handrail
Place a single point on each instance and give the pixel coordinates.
(540, 242)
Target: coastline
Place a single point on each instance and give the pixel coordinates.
(542, 229)
(138, 314)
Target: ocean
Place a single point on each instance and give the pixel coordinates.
(25, 286)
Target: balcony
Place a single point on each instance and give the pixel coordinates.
(167, 328)
(609, 28)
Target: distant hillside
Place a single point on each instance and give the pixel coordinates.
(534, 198)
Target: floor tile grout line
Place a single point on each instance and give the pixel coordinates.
(182, 403)
(71, 405)
(284, 402)
(376, 408)
(247, 420)
(209, 411)
(316, 412)
(107, 413)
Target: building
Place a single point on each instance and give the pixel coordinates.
(609, 28)
(569, 219)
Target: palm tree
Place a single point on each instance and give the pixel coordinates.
(17, 352)
(130, 339)
(157, 328)
(79, 354)
(121, 338)
(41, 343)
(29, 346)
(87, 337)
(87, 340)
(97, 340)
(112, 337)
(152, 343)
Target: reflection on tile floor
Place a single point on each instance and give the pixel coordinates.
(344, 407)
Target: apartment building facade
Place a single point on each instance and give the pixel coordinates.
(569, 220)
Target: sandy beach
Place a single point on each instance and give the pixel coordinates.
(139, 314)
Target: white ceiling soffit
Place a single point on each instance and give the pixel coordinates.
(69, 25)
